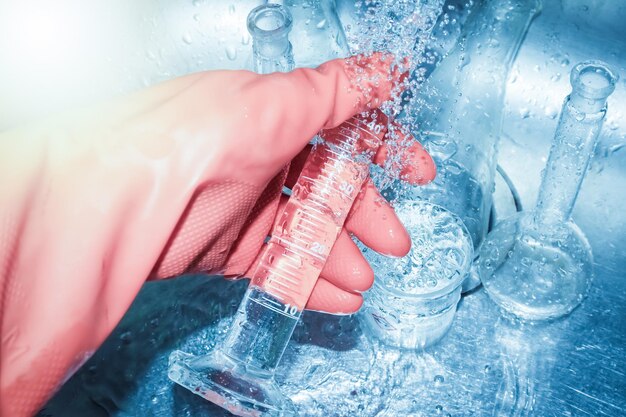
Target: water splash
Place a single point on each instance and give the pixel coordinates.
(401, 27)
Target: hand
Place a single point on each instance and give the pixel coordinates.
(182, 177)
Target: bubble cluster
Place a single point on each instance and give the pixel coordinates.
(440, 253)
(401, 28)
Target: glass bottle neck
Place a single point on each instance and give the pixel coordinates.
(573, 145)
(269, 26)
(574, 141)
(272, 56)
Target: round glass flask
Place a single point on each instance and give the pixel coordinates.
(538, 264)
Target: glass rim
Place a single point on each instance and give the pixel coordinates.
(451, 286)
(599, 67)
(277, 11)
(426, 296)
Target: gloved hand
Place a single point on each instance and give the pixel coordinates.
(183, 177)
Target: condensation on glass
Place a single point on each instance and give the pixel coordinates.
(538, 265)
(461, 116)
(413, 301)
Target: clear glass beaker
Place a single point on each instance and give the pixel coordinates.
(460, 117)
(413, 300)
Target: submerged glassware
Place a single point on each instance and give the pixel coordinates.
(538, 265)
(461, 115)
(413, 300)
(239, 374)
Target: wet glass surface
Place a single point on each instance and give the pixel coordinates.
(486, 365)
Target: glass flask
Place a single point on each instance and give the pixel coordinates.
(538, 265)
(414, 298)
(460, 118)
(270, 25)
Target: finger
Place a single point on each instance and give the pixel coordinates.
(321, 98)
(406, 156)
(329, 298)
(374, 222)
(346, 268)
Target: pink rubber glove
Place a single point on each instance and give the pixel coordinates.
(182, 177)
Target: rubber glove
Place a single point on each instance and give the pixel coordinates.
(182, 177)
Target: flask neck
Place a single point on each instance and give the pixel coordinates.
(269, 26)
(574, 141)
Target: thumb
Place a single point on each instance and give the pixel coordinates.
(321, 98)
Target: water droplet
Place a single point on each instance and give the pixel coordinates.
(231, 53)
(439, 379)
(524, 113)
(321, 24)
(126, 338)
(245, 39)
(615, 147)
(231, 9)
(187, 38)
(551, 112)
(565, 62)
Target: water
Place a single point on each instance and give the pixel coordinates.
(238, 376)
(401, 27)
(413, 301)
(439, 254)
(455, 189)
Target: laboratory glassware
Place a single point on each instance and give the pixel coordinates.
(269, 25)
(238, 375)
(414, 298)
(313, 27)
(318, 34)
(460, 118)
(538, 265)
